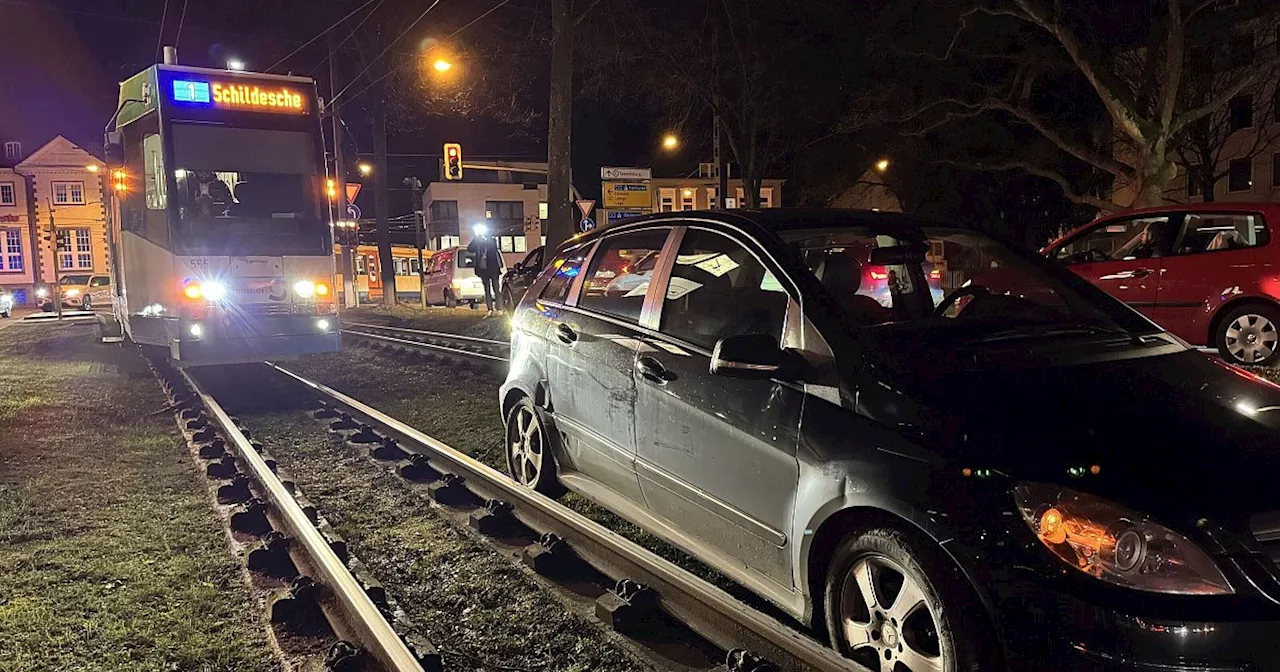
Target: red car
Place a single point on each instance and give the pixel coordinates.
(1207, 272)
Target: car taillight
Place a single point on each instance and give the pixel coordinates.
(935, 274)
(877, 273)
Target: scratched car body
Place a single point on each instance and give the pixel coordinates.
(1042, 480)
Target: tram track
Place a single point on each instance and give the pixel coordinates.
(645, 589)
(433, 344)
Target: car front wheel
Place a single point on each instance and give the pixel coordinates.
(893, 602)
(530, 459)
(1250, 335)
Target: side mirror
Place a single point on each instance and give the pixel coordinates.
(113, 148)
(753, 357)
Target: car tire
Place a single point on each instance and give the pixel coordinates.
(940, 625)
(531, 458)
(449, 300)
(86, 303)
(508, 302)
(1249, 335)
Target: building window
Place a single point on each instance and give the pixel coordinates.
(78, 254)
(8, 196)
(508, 211)
(1240, 112)
(511, 244)
(739, 198)
(13, 150)
(444, 211)
(68, 193)
(711, 197)
(12, 258)
(542, 210)
(766, 197)
(666, 199)
(1275, 169)
(1241, 50)
(686, 199)
(449, 241)
(402, 266)
(1240, 175)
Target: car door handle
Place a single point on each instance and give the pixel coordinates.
(652, 370)
(565, 333)
(1141, 273)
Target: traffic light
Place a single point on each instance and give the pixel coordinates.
(119, 178)
(452, 161)
(64, 239)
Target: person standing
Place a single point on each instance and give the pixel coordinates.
(488, 265)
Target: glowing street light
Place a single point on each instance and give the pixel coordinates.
(441, 65)
(670, 141)
(882, 165)
(235, 64)
(365, 169)
(93, 167)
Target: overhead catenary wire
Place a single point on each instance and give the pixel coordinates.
(384, 51)
(321, 34)
(181, 19)
(446, 38)
(350, 35)
(160, 36)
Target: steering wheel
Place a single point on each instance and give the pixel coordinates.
(951, 299)
(1087, 256)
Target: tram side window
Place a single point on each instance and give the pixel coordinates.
(153, 171)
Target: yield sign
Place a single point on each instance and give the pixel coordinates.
(353, 188)
(585, 206)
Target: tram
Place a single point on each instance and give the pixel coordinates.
(221, 244)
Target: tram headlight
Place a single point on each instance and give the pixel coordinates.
(322, 324)
(304, 289)
(196, 330)
(213, 290)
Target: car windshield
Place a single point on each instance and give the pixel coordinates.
(75, 280)
(942, 276)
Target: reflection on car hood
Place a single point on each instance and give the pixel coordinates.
(1174, 435)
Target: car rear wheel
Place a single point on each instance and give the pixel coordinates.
(530, 459)
(894, 603)
(449, 300)
(1250, 335)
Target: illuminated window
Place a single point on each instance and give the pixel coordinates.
(666, 199)
(449, 241)
(68, 193)
(7, 194)
(511, 244)
(78, 253)
(542, 210)
(711, 197)
(13, 150)
(11, 260)
(153, 159)
(360, 265)
(686, 199)
(766, 197)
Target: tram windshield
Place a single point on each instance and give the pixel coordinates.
(241, 188)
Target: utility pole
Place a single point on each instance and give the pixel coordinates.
(419, 226)
(560, 125)
(57, 247)
(722, 176)
(380, 204)
(351, 298)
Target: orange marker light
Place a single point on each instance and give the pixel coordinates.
(1095, 469)
(192, 291)
(322, 289)
(967, 472)
(1051, 526)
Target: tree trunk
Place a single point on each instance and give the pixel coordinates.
(380, 204)
(559, 226)
(1157, 173)
(1206, 187)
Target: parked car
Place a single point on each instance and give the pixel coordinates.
(980, 482)
(6, 302)
(451, 278)
(519, 277)
(80, 290)
(1206, 272)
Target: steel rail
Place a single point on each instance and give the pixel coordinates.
(420, 345)
(361, 615)
(444, 335)
(711, 612)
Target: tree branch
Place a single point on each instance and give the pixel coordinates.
(1031, 169)
(583, 14)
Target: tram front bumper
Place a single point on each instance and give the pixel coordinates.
(253, 339)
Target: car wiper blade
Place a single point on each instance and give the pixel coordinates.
(1052, 331)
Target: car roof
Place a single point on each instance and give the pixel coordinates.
(782, 219)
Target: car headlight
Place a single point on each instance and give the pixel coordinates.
(1116, 545)
(72, 292)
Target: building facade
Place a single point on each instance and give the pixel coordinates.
(513, 207)
(52, 193)
(623, 198)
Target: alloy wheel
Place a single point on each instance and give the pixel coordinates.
(1251, 338)
(888, 622)
(524, 438)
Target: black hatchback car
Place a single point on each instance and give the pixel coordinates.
(939, 452)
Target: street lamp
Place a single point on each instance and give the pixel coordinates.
(441, 65)
(365, 169)
(882, 165)
(670, 141)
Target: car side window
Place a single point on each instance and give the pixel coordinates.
(619, 276)
(718, 288)
(99, 281)
(1216, 232)
(565, 268)
(1139, 238)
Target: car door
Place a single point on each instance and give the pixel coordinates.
(717, 455)
(592, 391)
(1122, 257)
(1214, 255)
(437, 276)
(529, 270)
(100, 289)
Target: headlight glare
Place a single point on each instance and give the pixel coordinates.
(214, 291)
(1116, 545)
(304, 289)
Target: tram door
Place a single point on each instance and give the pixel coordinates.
(375, 276)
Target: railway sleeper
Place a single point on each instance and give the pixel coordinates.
(552, 557)
(272, 557)
(417, 467)
(297, 608)
(251, 518)
(388, 449)
(212, 450)
(364, 436)
(235, 492)
(631, 608)
(451, 490)
(343, 656)
(741, 660)
(496, 519)
(223, 468)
